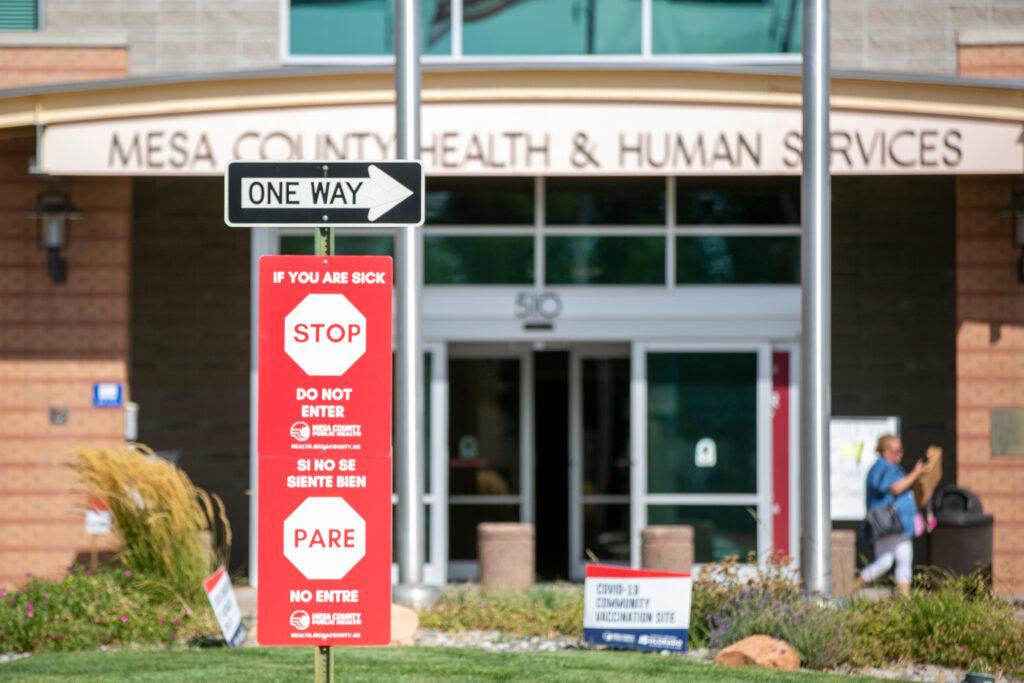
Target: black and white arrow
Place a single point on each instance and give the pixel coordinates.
(378, 193)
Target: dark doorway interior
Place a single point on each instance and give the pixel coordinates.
(551, 444)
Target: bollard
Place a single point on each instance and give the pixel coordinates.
(844, 562)
(506, 552)
(667, 547)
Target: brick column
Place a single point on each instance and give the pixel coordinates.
(55, 341)
(990, 364)
(990, 330)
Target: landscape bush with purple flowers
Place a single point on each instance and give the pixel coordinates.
(953, 622)
(85, 611)
(947, 621)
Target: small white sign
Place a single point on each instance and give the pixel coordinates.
(705, 453)
(637, 609)
(98, 522)
(852, 442)
(225, 607)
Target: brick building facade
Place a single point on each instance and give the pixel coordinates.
(55, 341)
(937, 308)
(990, 325)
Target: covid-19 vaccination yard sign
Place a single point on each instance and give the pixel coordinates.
(636, 609)
(324, 510)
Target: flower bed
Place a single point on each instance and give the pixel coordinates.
(83, 611)
(956, 623)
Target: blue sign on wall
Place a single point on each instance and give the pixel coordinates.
(107, 395)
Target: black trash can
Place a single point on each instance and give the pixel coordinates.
(962, 541)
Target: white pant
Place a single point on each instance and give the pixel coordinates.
(896, 548)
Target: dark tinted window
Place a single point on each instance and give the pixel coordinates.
(738, 201)
(739, 260)
(479, 201)
(478, 260)
(604, 260)
(605, 201)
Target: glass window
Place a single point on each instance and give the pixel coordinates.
(726, 26)
(19, 15)
(483, 427)
(604, 260)
(605, 426)
(350, 245)
(606, 532)
(719, 532)
(738, 260)
(702, 422)
(551, 27)
(478, 260)
(479, 201)
(738, 201)
(605, 201)
(362, 27)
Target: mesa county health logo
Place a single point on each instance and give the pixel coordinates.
(299, 620)
(300, 431)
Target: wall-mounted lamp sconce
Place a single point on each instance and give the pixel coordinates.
(53, 211)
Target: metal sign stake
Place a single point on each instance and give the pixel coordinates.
(323, 664)
(323, 661)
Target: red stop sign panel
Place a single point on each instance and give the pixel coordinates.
(324, 449)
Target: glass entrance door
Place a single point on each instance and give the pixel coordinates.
(703, 446)
(599, 457)
(490, 446)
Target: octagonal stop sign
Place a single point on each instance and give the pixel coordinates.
(324, 538)
(325, 334)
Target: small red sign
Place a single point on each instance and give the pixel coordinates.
(324, 450)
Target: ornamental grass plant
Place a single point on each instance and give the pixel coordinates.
(172, 534)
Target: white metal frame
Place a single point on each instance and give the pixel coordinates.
(646, 54)
(793, 349)
(470, 569)
(640, 498)
(577, 499)
(435, 570)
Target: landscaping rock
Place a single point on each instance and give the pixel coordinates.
(404, 623)
(760, 651)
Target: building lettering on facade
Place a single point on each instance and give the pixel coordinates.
(598, 139)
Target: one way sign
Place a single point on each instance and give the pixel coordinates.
(311, 193)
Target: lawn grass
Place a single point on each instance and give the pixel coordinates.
(427, 665)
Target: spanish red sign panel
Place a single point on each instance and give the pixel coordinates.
(324, 450)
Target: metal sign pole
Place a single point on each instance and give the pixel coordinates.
(409, 405)
(816, 305)
(323, 661)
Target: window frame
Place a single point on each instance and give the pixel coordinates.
(645, 56)
(40, 20)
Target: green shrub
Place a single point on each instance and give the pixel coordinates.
(818, 634)
(732, 602)
(173, 534)
(957, 624)
(544, 610)
(83, 612)
(718, 586)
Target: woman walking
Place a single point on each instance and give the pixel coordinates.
(889, 484)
